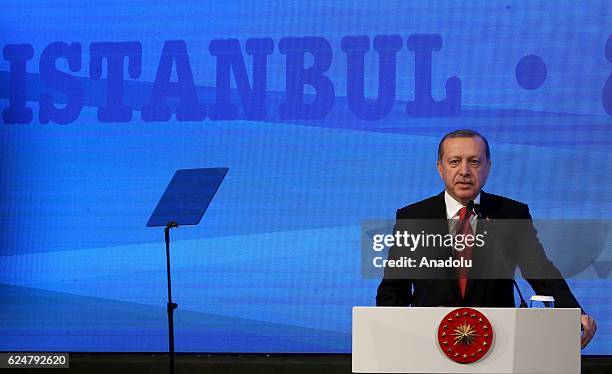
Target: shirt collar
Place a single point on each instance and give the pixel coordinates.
(453, 206)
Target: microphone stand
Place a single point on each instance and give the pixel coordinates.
(482, 218)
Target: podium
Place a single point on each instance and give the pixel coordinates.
(405, 340)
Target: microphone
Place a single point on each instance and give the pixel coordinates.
(481, 216)
(471, 206)
(476, 208)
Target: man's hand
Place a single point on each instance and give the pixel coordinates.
(588, 329)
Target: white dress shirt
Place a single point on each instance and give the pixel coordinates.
(452, 211)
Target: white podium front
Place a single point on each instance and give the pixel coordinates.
(405, 340)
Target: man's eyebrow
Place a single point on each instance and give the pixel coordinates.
(459, 156)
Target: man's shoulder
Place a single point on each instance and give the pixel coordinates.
(432, 207)
(496, 206)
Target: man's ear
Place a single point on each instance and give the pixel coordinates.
(439, 167)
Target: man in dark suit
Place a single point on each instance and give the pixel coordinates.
(464, 162)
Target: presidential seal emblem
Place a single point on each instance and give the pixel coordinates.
(465, 335)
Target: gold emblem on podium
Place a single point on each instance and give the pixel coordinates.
(465, 335)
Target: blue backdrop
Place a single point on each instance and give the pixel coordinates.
(103, 101)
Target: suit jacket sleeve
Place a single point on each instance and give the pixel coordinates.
(393, 289)
(537, 269)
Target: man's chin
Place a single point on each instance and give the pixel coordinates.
(465, 195)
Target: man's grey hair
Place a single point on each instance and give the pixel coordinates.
(464, 133)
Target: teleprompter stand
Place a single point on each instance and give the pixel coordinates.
(184, 202)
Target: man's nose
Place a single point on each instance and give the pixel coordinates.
(464, 168)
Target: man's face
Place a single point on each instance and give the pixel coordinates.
(464, 167)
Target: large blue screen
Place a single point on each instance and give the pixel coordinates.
(326, 114)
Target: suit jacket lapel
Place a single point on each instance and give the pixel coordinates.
(439, 207)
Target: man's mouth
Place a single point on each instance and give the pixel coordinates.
(464, 183)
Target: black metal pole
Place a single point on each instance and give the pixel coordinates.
(170, 306)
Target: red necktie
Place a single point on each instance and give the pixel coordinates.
(464, 228)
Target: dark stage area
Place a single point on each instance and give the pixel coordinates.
(115, 363)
